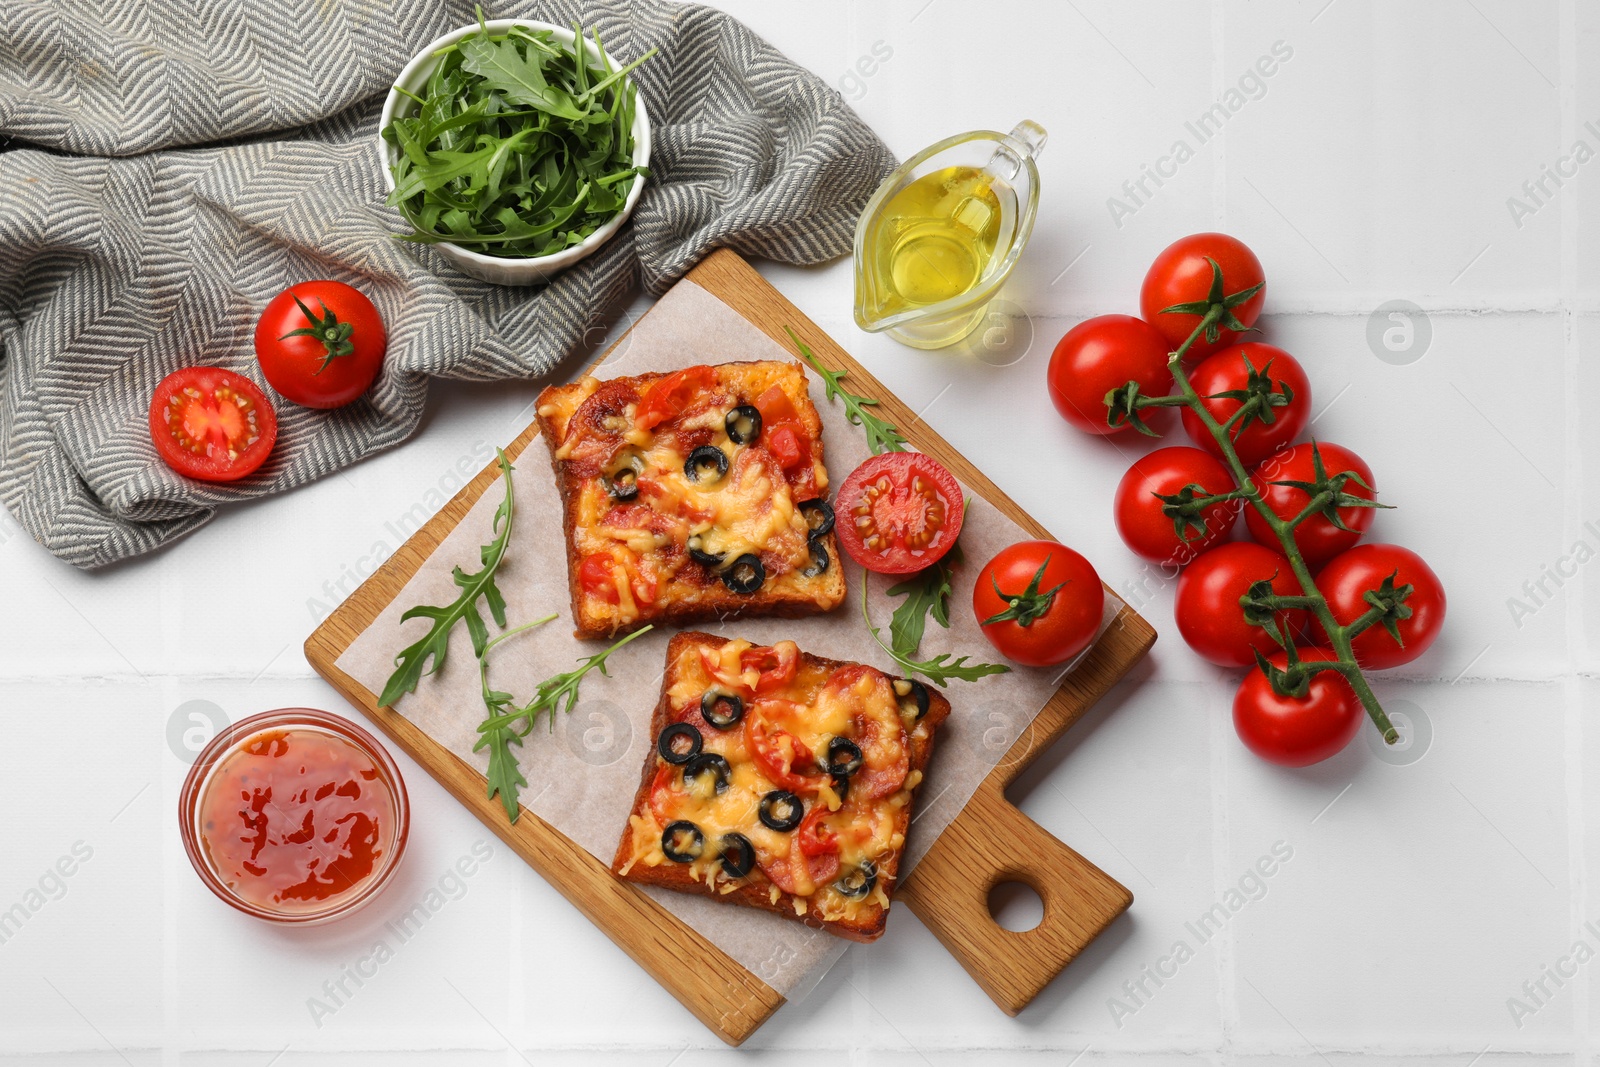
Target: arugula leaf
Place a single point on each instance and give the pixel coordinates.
(519, 145)
(881, 435)
(519, 77)
(505, 774)
(927, 593)
(412, 662)
(557, 693)
(938, 670)
(501, 729)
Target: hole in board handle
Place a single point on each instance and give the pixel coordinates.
(1016, 906)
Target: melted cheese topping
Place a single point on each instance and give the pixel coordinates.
(868, 830)
(750, 510)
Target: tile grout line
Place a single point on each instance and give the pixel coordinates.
(517, 1021)
(1572, 517)
(1227, 994)
(175, 862)
(1219, 154)
(1221, 725)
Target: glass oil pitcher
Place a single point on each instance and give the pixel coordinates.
(940, 236)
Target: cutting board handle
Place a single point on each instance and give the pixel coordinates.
(992, 841)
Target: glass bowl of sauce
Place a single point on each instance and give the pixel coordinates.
(294, 816)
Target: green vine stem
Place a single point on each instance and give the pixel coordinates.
(1293, 680)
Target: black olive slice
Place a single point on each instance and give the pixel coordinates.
(706, 465)
(708, 763)
(738, 855)
(722, 710)
(912, 697)
(621, 480)
(841, 786)
(745, 574)
(781, 810)
(858, 881)
(819, 516)
(819, 560)
(622, 484)
(697, 551)
(844, 757)
(679, 743)
(683, 841)
(743, 424)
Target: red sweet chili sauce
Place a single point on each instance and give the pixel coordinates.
(296, 817)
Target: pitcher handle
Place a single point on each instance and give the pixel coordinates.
(1029, 137)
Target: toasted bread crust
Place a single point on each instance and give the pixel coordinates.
(755, 890)
(715, 602)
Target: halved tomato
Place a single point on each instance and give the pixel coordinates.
(785, 437)
(816, 838)
(667, 397)
(899, 512)
(885, 754)
(663, 797)
(788, 447)
(212, 424)
(594, 574)
(597, 576)
(783, 758)
(798, 873)
(776, 664)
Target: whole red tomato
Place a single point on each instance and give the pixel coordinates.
(1039, 603)
(1297, 731)
(1207, 605)
(1350, 574)
(1182, 273)
(1102, 354)
(1318, 539)
(1240, 368)
(320, 344)
(1141, 518)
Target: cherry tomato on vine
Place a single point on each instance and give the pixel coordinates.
(1349, 575)
(1207, 607)
(1251, 367)
(1141, 518)
(898, 512)
(320, 343)
(1318, 539)
(1102, 354)
(212, 424)
(1039, 603)
(1182, 274)
(1297, 731)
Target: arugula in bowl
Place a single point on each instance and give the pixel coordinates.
(521, 144)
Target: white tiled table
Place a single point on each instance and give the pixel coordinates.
(1375, 164)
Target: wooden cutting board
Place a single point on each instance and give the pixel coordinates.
(988, 843)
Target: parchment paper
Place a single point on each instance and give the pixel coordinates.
(584, 771)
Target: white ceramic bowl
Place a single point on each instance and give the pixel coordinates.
(501, 269)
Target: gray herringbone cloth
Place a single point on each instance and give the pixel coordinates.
(176, 163)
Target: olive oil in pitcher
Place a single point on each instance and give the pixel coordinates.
(937, 237)
(943, 232)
